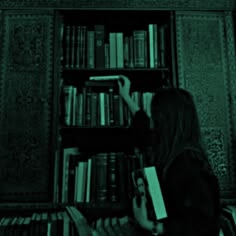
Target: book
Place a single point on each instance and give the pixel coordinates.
(99, 34)
(88, 181)
(67, 152)
(116, 226)
(112, 177)
(81, 181)
(53, 222)
(119, 50)
(108, 227)
(140, 48)
(100, 227)
(145, 180)
(112, 50)
(104, 77)
(66, 223)
(101, 161)
(80, 222)
(90, 49)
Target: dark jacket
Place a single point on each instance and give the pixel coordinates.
(191, 193)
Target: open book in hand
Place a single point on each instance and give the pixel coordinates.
(146, 182)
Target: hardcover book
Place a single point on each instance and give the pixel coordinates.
(146, 182)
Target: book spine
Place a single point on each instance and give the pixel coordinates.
(112, 177)
(156, 46)
(116, 109)
(151, 45)
(67, 96)
(90, 49)
(162, 38)
(139, 48)
(99, 46)
(80, 114)
(106, 108)
(73, 160)
(81, 181)
(78, 40)
(88, 183)
(84, 107)
(104, 77)
(65, 176)
(93, 186)
(101, 177)
(131, 51)
(94, 109)
(88, 107)
(74, 105)
(73, 42)
(102, 114)
(83, 46)
(156, 193)
(67, 46)
(76, 169)
(119, 50)
(121, 111)
(107, 55)
(111, 106)
(126, 52)
(113, 50)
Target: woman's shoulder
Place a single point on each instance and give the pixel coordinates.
(186, 157)
(189, 161)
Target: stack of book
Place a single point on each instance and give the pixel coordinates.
(98, 178)
(93, 107)
(94, 47)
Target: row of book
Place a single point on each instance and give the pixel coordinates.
(70, 221)
(115, 226)
(88, 107)
(95, 48)
(98, 178)
(66, 222)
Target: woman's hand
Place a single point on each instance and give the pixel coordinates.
(124, 89)
(140, 212)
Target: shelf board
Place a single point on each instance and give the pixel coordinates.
(69, 128)
(90, 210)
(26, 206)
(113, 69)
(98, 138)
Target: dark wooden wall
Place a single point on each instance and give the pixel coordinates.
(139, 4)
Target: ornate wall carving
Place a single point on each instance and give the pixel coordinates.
(162, 4)
(203, 70)
(25, 106)
(231, 59)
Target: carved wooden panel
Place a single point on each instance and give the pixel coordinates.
(158, 4)
(25, 106)
(202, 53)
(231, 63)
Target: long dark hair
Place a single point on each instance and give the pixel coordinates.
(175, 126)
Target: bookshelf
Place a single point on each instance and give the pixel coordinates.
(33, 133)
(117, 42)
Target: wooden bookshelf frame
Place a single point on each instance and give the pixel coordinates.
(122, 4)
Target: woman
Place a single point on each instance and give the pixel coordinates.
(189, 186)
